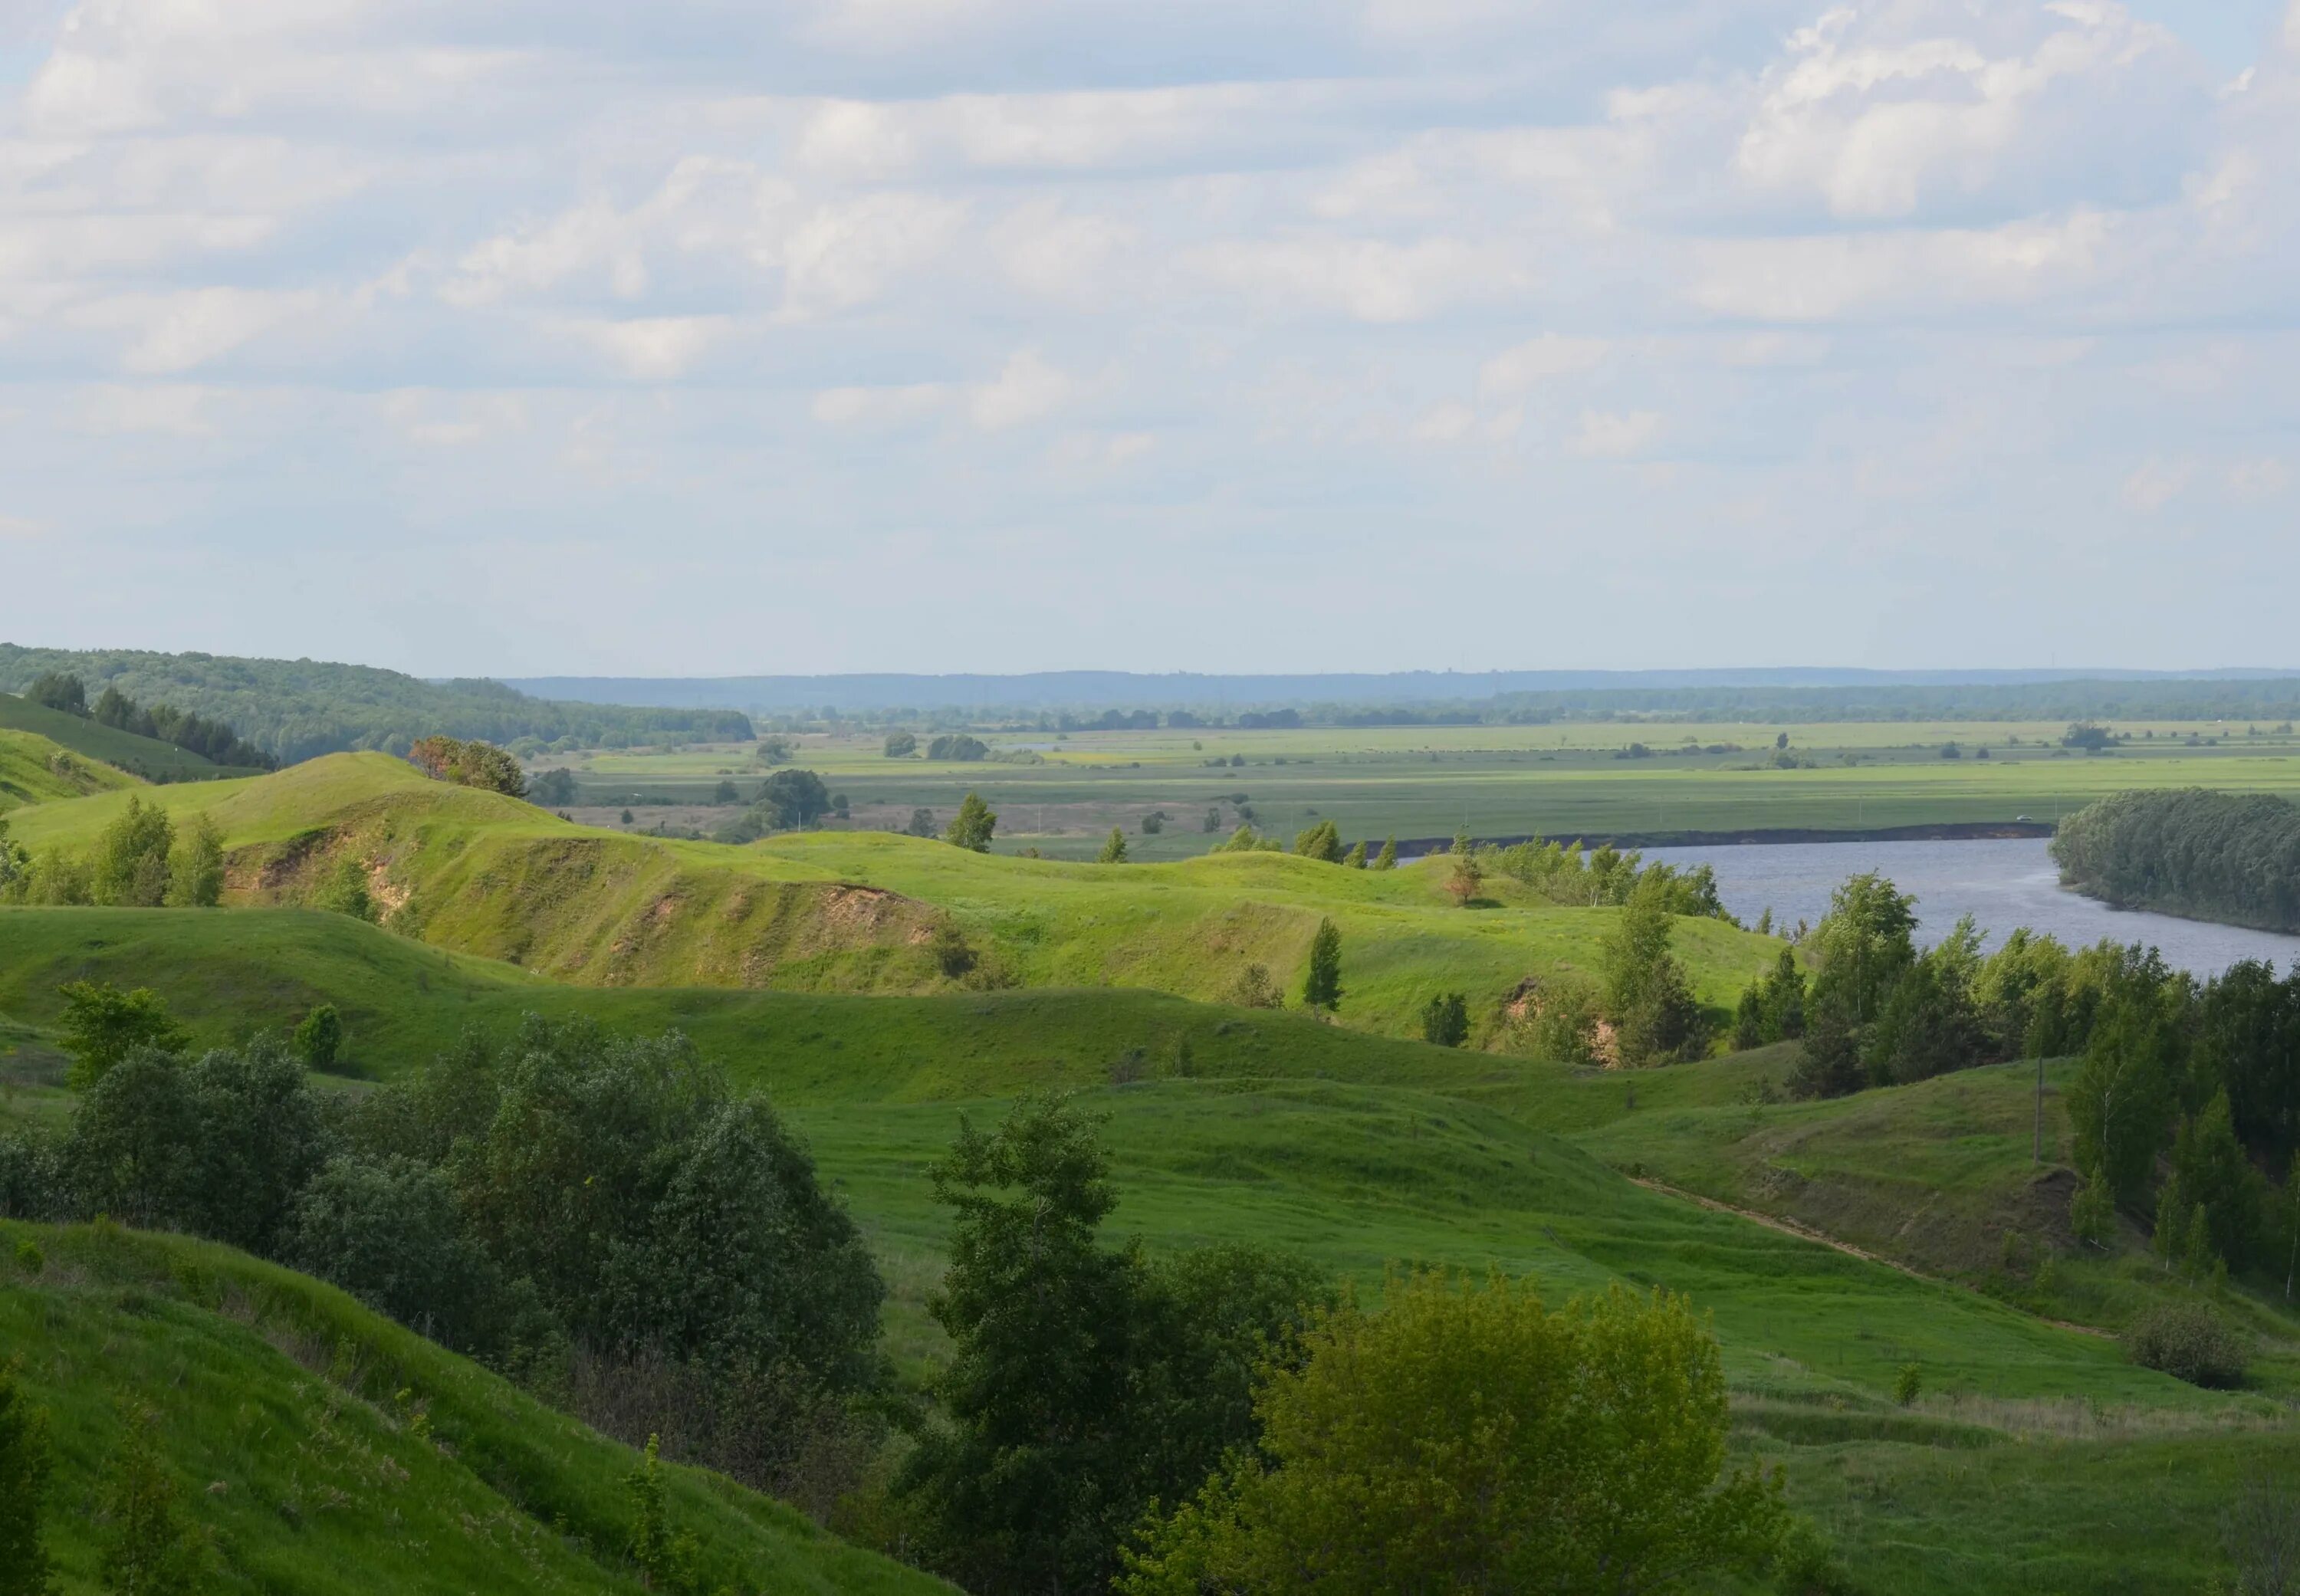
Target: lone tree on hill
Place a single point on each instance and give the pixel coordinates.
(1322, 988)
(320, 1039)
(468, 764)
(1463, 877)
(1114, 848)
(971, 827)
(1445, 1019)
(1388, 858)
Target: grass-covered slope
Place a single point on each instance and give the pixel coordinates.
(147, 757)
(288, 1421)
(34, 770)
(858, 911)
(2037, 1459)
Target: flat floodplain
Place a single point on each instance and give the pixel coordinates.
(1563, 781)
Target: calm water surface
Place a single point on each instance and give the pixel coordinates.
(2000, 883)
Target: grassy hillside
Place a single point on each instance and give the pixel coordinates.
(287, 1420)
(2038, 1458)
(35, 769)
(147, 757)
(857, 912)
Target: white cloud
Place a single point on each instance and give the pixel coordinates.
(1518, 372)
(1824, 277)
(173, 332)
(1604, 435)
(655, 348)
(171, 409)
(1366, 280)
(2156, 483)
(17, 529)
(846, 407)
(2257, 481)
(1027, 390)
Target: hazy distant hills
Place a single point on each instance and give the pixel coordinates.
(1119, 689)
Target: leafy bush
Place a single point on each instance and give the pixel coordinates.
(1445, 1019)
(2189, 1341)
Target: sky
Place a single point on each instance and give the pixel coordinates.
(720, 336)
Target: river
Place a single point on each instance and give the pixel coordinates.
(2001, 884)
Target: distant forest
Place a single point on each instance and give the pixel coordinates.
(2215, 856)
(1111, 701)
(293, 709)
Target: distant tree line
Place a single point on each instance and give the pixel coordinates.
(211, 740)
(294, 709)
(2219, 856)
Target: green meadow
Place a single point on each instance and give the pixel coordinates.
(2038, 1457)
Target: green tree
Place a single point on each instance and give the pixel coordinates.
(922, 823)
(131, 1149)
(131, 857)
(1322, 987)
(1321, 842)
(1647, 997)
(388, 1230)
(554, 789)
(1473, 1440)
(343, 890)
(1864, 944)
(959, 747)
(196, 868)
(1039, 1316)
(1388, 859)
(149, 1550)
(795, 799)
(319, 1038)
(1445, 1019)
(103, 1025)
(725, 793)
(901, 745)
(2122, 1101)
(57, 691)
(26, 1461)
(2211, 1168)
(1114, 848)
(15, 867)
(971, 827)
(1356, 859)
(1464, 875)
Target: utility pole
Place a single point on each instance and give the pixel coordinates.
(2037, 1144)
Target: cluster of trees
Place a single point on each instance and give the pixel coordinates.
(1567, 873)
(1225, 1420)
(790, 799)
(211, 740)
(596, 1215)
(2218, 856)
(466, 763)
(141, 861)
(2186, 1101)
(958, 748)
(294, 709)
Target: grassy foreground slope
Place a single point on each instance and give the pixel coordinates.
(2037, 1459)
(858, 911)
(287, 1419)
(147, 757)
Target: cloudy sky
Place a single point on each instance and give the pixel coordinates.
(729, 336)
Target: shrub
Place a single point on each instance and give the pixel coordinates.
(901, 745)
(26, 1460)
(1908, 1384)
(1252, 989)
(1445, 1019)
(2189, 1341)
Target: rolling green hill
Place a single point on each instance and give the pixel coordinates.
(2038, 1458)
(288, 1421)
(859, 911)
(35, 769)
(147, 757)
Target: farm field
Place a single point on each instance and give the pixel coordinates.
(1365, 1153)
(1561, 781)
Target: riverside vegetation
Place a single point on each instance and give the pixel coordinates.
(929, 1344)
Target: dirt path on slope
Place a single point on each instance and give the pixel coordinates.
(1808, 1234)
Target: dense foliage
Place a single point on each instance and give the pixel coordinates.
(1566, 873)
(1476, 1439)
(2218, 856)
(466, 763)
(1084, 1383)
(591, 1211)
(141, 861)
(300, 709)
(211, 740)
